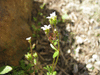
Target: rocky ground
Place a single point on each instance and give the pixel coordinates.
(79, 35)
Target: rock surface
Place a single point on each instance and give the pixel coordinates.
(15, 17)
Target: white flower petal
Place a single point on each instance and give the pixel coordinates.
(46, 27)
(28, 38)
(52, 15)
(53, 47)
(49, 25)
(43, 28)
(48, 17)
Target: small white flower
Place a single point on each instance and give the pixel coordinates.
(46, 27)
(28, 38)
(52, 15)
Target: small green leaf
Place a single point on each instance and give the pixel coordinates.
(47, 68)
(35, 19)
(28, 56)
(39, 23)
(40, 13)
(37, 35)
(22, 64)
(42, 6)
(34, 61)
(31, 71)
(21, 72)
(54, 73)
(56, 53)
(31, 64)
(35, 55)
(59, 20)
(34, 27)
(34, 35)
(28, 67)
(38, 29)
(55, 42)
(48, 73)
(33, 46)
(5, 69)
(44, 68)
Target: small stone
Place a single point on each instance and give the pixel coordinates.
(69, 51)
(89, 66)
(95, 56)
(92, 20)
(79, 40)
(97, 63)
(75, 67)
(77, 49)
(90, 60)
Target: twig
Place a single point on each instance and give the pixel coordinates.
(41, 57)
(62, 55)
(62, 70)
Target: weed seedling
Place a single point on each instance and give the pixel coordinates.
(54, 41)
(40, 13)
(49, 69)
(42, 6)
(35, 19)
(30, 56)
(53, 37)
(65, 16)
(36, 30)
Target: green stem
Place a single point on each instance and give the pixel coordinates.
(32, 56)
(58, 42)
(56, 62)
(55, 26)
(53, 64)
(58, 55)
(52, 27)
(31, 52)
